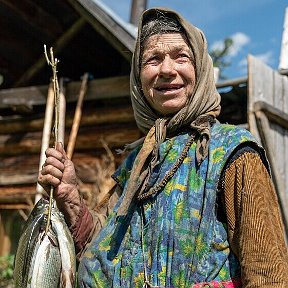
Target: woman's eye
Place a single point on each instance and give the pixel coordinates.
(183, 58)
(153, 60)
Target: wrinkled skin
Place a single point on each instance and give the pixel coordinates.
(167, 72)
(59, 172)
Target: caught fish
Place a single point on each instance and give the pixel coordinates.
(46, 269)
(67, 250)
(27, 243)
(45, 260)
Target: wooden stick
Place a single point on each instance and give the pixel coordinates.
(77, 117)
(62, 112)
(45, 137)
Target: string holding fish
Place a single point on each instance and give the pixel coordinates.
(52, 61)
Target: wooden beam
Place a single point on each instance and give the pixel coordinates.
(105, 88)
(242, 80)
(57, 46)
(17, 194)
(90, 118)
(14, 178)
(105, 25)
(14, 206)
(89, 138)
(275, 115)
(232, 82)
(18, 178)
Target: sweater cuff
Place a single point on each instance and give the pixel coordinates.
(82, 228)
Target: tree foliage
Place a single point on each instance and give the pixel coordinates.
(6, 271)
(220, 56)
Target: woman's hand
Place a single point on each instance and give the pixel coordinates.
(58, 171)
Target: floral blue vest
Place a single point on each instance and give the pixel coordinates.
(182, 242)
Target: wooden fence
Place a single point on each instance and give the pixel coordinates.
(268, 120)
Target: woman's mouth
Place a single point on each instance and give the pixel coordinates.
(169, 88)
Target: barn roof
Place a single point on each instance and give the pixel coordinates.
(86, 36)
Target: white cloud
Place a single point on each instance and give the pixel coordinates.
(217, 45)
(239, 41)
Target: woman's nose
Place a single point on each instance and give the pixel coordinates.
(167, 67)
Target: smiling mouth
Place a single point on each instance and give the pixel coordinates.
(168, 88)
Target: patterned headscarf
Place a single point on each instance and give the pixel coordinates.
(202, 105)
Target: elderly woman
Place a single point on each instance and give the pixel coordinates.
(196, 203)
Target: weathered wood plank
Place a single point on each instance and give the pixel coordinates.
(94, 170)
(251, 97)
(98, 116)
(275, 115)
(285, 157)
(278, 132)
(17, 194)
(87, 163)
(13, 206)
(88, 138)
(106, 88)
(20, 178)
(260, 77)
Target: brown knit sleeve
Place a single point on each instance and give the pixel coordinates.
(90, 222)
(254, 223)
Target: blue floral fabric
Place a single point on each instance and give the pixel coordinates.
(183, 242)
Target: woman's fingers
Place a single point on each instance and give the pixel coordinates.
(59, 147)
(57, 170)
(48, 179)
(52, 169)
(51, 161)
(52, 152)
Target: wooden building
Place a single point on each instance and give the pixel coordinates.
(87, 37)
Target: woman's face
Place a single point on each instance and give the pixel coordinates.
(167, 72)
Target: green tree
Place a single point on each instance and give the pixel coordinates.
(220, 56)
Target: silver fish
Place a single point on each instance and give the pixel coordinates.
(47, 266)
(45, 260)
(67, 250)
(27, 243)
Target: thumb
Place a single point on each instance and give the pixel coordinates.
(59, 147)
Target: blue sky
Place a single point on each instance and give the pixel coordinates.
(256, 26)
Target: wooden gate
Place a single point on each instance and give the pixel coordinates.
(268, 121)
